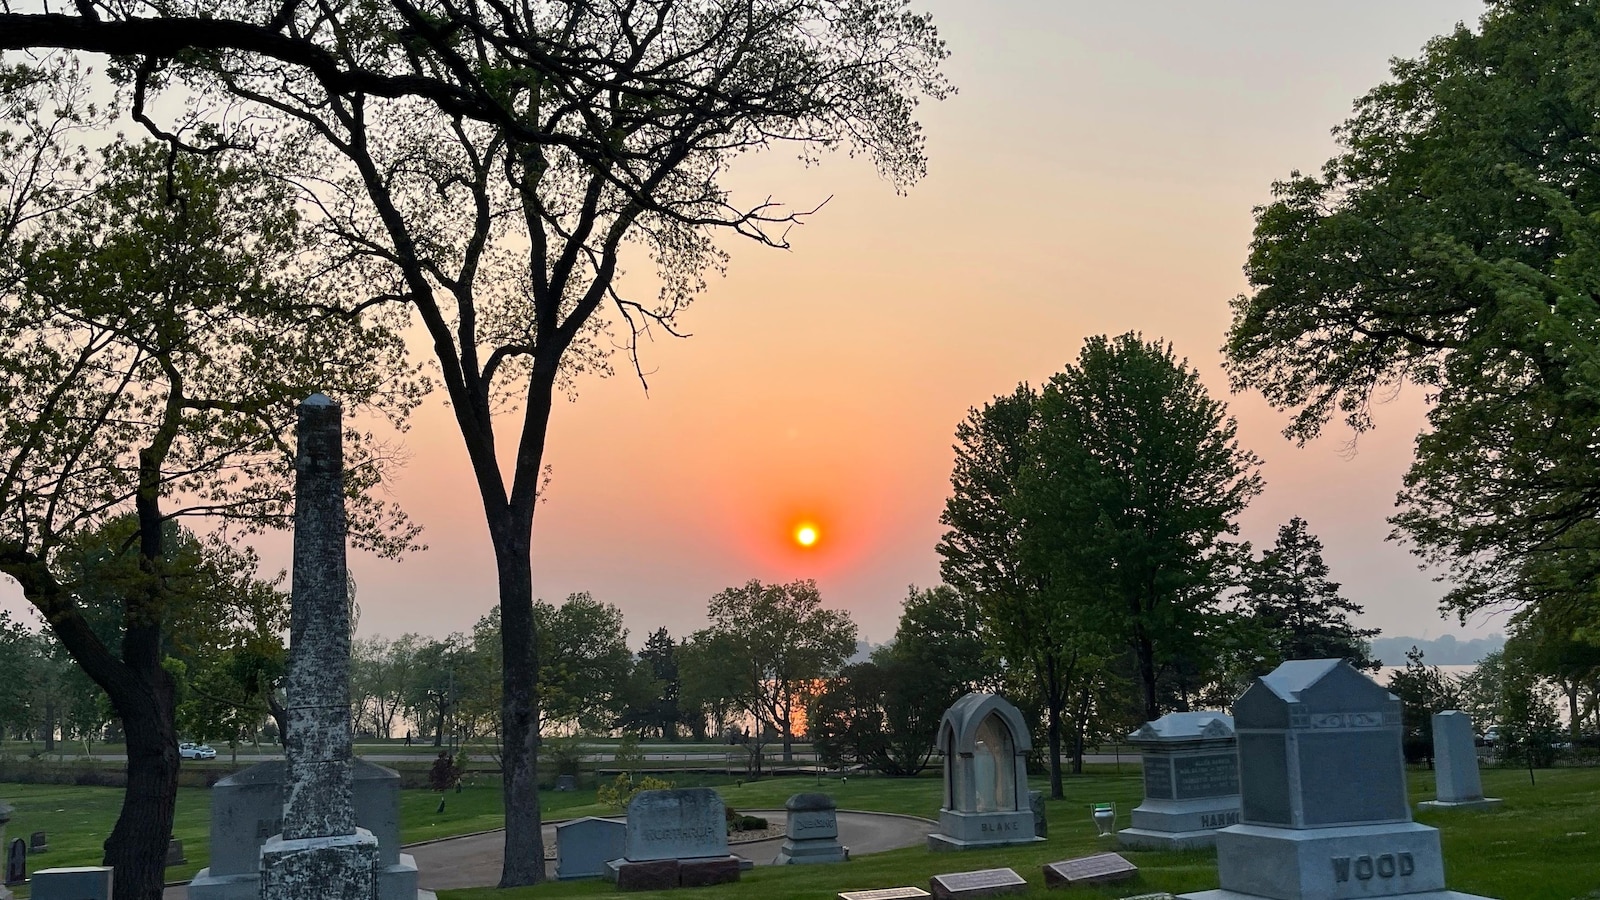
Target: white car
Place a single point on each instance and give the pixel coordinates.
(196, 751)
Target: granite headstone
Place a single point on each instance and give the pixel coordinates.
(811, 831)
(894, 893)
(1323, 810)
(17, 862)
(686, 827)
(985, 744)
(1191, 782)
(584, 846)
(38, 843)
(72, 883)
(1455, 764)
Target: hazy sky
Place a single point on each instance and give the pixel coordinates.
(1095, 174)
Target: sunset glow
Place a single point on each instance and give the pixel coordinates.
(806, 535)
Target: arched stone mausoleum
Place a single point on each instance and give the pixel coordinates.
(985, 744)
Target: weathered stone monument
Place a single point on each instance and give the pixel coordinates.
(811, 831)
(1455, 764)
(674, 838)
(982, 883)
(985, 744)
(1323, 807)
(584, 846)
(247, 808)
(321, 853)
(1191, 782)
(17, 862)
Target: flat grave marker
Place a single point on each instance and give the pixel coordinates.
(894, 893)
(980, 883)
(1101, 868)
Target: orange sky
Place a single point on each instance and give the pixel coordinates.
(1095, 174)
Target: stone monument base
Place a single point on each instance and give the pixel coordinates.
(1146, 839)
(1480, 803)
(1179, 824)
(1237, 895)
(969, 831)
(396, 882)
(336, 867)
(808, 850)
(1400, 859)
(665, 874)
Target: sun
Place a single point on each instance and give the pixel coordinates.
(806, 535)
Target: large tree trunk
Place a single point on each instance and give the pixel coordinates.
(1145, 654)
(524, 853)
(48, 726)
(137, 845)
(1054, 702)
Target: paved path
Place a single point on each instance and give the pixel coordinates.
(475, 860)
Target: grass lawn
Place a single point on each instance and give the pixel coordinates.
(1543, 844)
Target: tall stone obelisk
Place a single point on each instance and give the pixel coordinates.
(321, 854)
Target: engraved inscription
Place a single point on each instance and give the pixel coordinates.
(800, 824)
(1367, 867)
(1219, 820)
(1000, 827)
(1157, 778)
(696, 833)
(1216, 775)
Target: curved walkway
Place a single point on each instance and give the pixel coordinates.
(474, 860)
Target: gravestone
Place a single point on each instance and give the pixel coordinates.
(566, 782)
(17, 862)
(1041, 826)
(584, 846)
(321, 852)
(72, 883)
(1323, 808)
(674, 837)
(985, 744)
(38, 843)
(247, 808)
(811, 831)
(1101, 868)
(1191, 782)
(175, 855)
(1455, 764)
(894, 893)
(982, 883)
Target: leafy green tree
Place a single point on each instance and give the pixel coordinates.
(656, 708)
(585, 661)
(1289, 595)
(499, 181)
(1028, 620)
(1452, 244)
(1135, 479)
(1423, 690)
(710, 688)
(779, 640)
(152, 348)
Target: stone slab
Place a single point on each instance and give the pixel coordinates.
(686, 823)
(894, 893)
(703, 872)
(72, 883)
(979, 883)
(1101, 868)
(1480, 803)
(990, 829)
(584, 846)
(1455, 756)
(1235, 895)
(645, 875)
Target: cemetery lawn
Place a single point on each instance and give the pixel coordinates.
(1543, 843)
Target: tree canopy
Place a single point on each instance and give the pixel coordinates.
(1451, 244)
